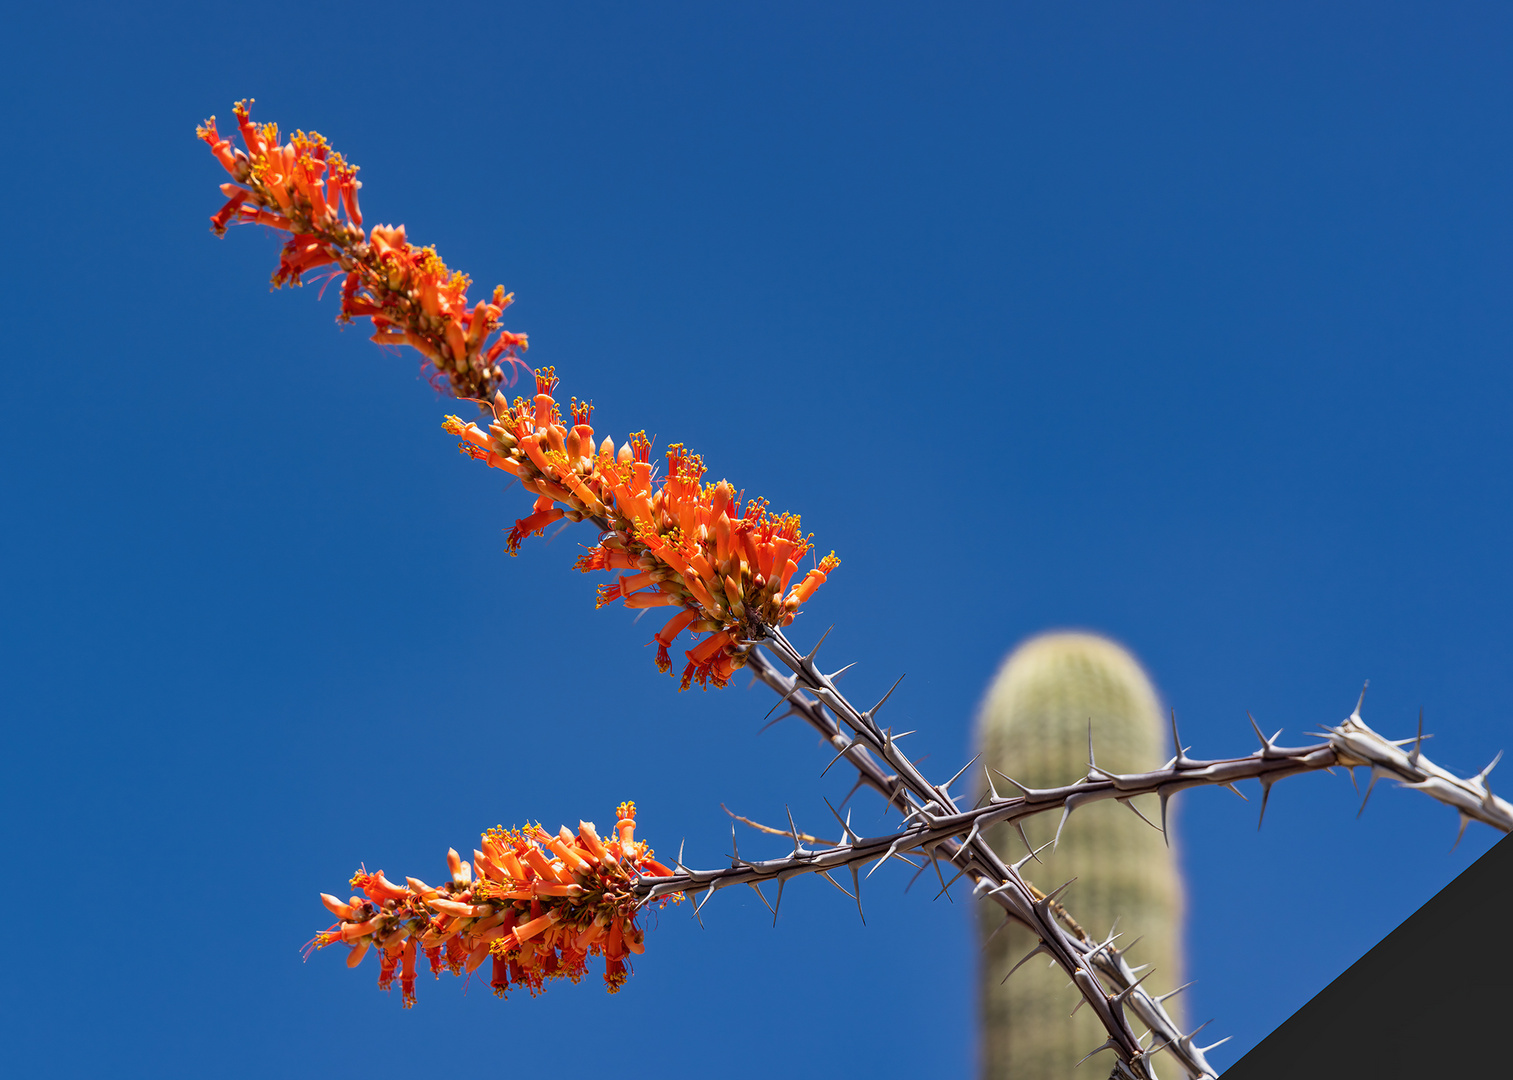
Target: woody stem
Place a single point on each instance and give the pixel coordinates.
(975, 857)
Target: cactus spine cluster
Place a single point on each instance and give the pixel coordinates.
(1033, 727)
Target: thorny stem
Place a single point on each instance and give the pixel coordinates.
(934, 805)
(869, 773)
(1350, 744)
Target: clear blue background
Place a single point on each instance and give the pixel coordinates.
(1189, 323)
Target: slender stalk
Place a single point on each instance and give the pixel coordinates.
(935, 807)
(1110, 962)
(1351, 744)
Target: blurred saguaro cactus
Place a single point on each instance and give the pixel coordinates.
(1033, 727)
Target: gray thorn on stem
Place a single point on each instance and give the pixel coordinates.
(1187, 1040)
(1130, 803)
(944, 888)
(892, 849)
(1108, 1044)
(786, 699)
(1016, 783)
(793, 831)
(1104, 944)
(847, 835)
(837, 757)
(1174, 993)
(808, 660)
(1006, 920)
(872, 712)
(758, 890)
(1045, 902)
(1123, 995)
(1266, 744)
(826, 875)
(945, 885)
(1417, 742)
(947, 785)
(836, 675)
(1132, 944)
(700, 905)
(966, 845)
(1356, 713)
(1164, 795)
(1034, 854)
(1066, 812)
(1376, 775)
(1265, 795)
(1020, 826)
(1038, 950)
(778, 719)
(1465, 819)
(1007, 885)
(918, 812)
(1178, 749)
(856, 884)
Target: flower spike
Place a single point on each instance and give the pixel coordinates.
(307, 190)
(537, 904)
(730, 570)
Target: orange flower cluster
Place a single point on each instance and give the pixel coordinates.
(304, 188)
(683, 543)
(537, 904)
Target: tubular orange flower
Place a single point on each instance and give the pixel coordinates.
(306, 189)
(685, 544)
(538, 904)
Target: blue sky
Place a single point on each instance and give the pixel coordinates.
(1186, 323)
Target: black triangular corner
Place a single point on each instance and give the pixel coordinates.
(1434, 999)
